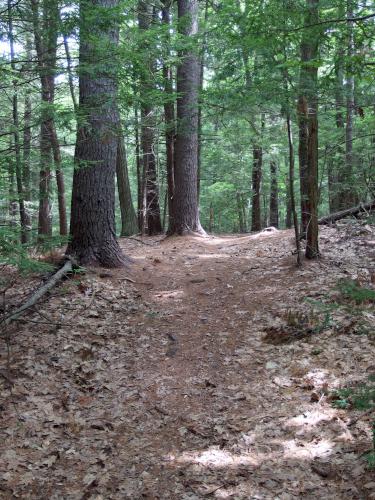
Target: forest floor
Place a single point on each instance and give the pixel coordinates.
(208, 376)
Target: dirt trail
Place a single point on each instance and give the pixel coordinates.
(166, 389)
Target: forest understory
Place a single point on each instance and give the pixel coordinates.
(208, 369)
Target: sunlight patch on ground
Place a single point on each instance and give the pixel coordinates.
(205, 256)
(297, 449)
(169, 294)
(214, 457)
(312, 418)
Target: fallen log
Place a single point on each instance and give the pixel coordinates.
(40, 292)
(362, 207)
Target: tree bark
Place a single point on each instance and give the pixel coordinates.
(169, 118)
(25, 235)
(336, 172)
(350, 188)
(186, 212)
(308, 123)
(140, 190)
(256, 224)
(274, 196)
(92, 227)
(291, 186)
(46, 48)
(150, 197)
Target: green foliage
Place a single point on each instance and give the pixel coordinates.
(361, 398)
(353, 292)
(15, 254)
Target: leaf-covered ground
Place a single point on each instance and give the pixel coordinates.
(176, 387)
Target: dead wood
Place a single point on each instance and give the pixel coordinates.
(354, 211)
(40, 292)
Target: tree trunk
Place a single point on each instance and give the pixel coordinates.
(200, 89)
(129, 224)
(256, 224)
(351, 197)
(240, 212)
(302, 111)
(25, 235)
(211, 221)
(169, 118)
(274, 196)
(140, 204)
(92, 227)
(186, 212)
(63, 223)
(148, 125)
(291, 186)
(308, 121)
(46, 48)
(337, 188)
(26, 174)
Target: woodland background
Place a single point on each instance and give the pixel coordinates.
(257, 62)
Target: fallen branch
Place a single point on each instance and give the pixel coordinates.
(52, 281)
(363, 207)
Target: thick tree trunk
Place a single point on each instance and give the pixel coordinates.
(274, 196)
(185, 206)
(256, 224)
(308, 123)
(129, 224)
(92, 228)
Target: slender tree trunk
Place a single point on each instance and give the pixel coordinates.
(186, 212)
(274, 196)
(256, 224)
(291, 187)
(201, 79)
(211, 221)
(302, 111)
(169, 118)
(63, 223)
(240, 212)
(12, 190)
(16, 135)
(26, 173)
(46, 48)
(243, 200)
(148, 125)
(351, 197)
(92, 228)
(337, 187)
(140, 215)
(129, 224)
(70, 72)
